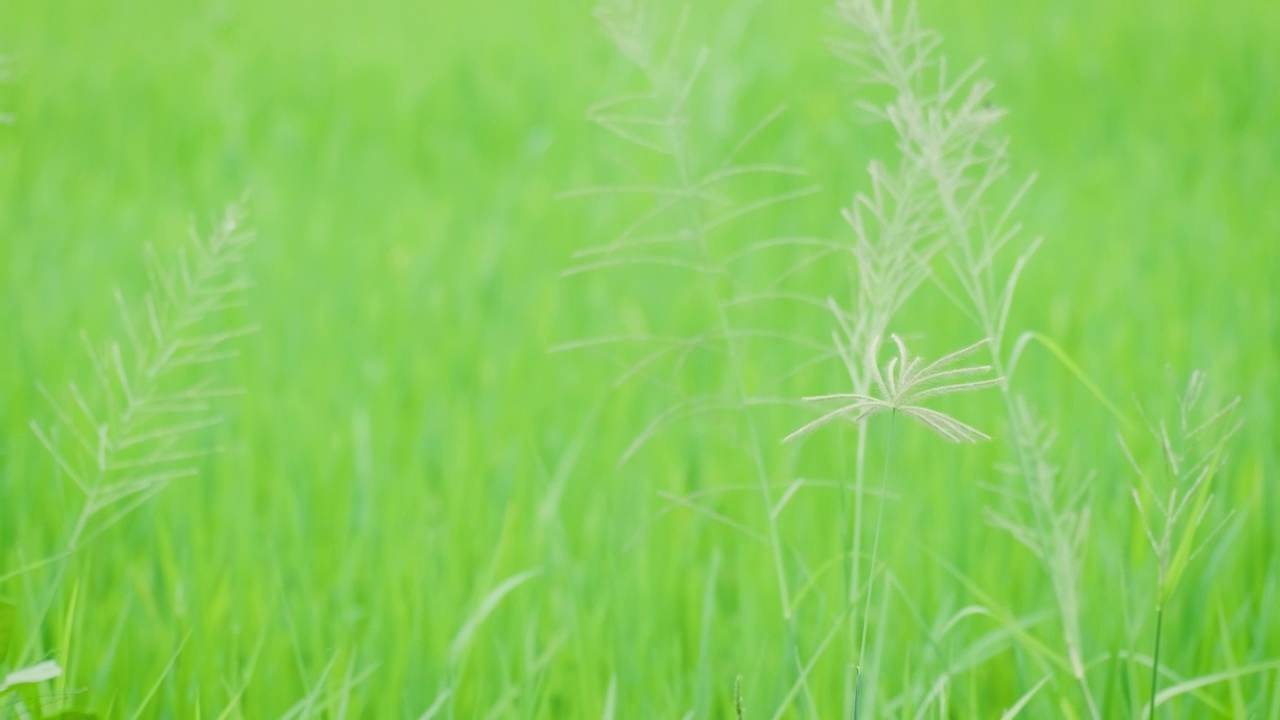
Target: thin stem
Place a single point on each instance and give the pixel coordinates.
(875, 543)
(859, 483)
(1155, 662)
(855, 545)
(698, 231)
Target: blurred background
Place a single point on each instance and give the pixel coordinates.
(406, 440)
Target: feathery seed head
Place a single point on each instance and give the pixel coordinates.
(903, 383)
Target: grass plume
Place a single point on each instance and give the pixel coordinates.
(157, 385)
(1191, 449)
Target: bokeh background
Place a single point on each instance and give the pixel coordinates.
(406, 440)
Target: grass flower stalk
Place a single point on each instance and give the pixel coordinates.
(688, 207)
(903, 384)
(1191, 448)
(948, 124)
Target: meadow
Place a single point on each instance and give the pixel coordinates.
(420, 451)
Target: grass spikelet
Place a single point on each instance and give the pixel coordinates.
(1190, 452)
(157, 386)
(903, 382)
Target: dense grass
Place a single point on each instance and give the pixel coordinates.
(405, 442)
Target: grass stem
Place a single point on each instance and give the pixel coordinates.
(875, 549)
(1155, 663)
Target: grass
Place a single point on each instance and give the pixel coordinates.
(418, 506)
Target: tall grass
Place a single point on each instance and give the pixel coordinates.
(687, 226)
(760, 495)
(903, 384)
(141, 421)
(1191, 447)
(933, 215)
(947, 121)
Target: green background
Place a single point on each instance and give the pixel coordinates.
(406, 440)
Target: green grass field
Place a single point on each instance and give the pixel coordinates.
(418, 505)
